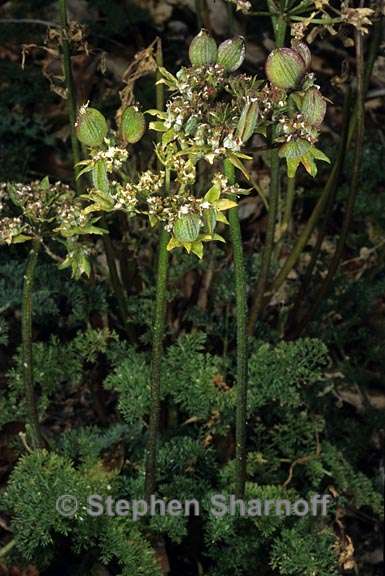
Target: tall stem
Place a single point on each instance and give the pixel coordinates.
(241, 311)
(159, 317)
(157, 348)
(356, 175)
(32, 413)
(258, 296)
(70, 88)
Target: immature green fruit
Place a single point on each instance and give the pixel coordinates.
(231, 54)
(186, 228)
(91, 126)
(313, 107)
(203, 50)
(247, 121)
(285, 68)
(100, 177)
(303, 50)
(132, 125)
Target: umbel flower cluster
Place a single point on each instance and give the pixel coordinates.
(41, 211)
(212, 113)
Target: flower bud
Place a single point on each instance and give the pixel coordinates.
(313, 107)
(231, 54)
(91, 126)
(132, 125)
(186, 228)
(304, 51)
(203, 50)
(100, 177)
(285, 68)
(247, 121)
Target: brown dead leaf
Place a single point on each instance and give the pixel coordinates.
(144, 63)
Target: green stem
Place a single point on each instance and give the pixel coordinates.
(258, 296)
(355, 182)
(159, 318)
(241, 312)
(157, 349)
(5, 550)
(70, 88)
(32, 413)
(279, 24)
(290, 195)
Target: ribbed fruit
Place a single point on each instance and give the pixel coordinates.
(203, 50)
(313, 107)
(132, 125)
(186, 228)
(247, 121)
(91, 127)
(285, 68)
(303, 50)
(231, 54)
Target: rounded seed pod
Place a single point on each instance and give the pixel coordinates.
(203, 50)
(100, 177)
(247, 121)
(186, 228)
(285, 68)
(91, 127)
(304, 51)
(313, 107)
(132, 125)
(231, 53)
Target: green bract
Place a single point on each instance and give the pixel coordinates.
(91, 127)
(132, 125)
(301, 151)
(203, 50)
(248, 121)
(231, 54)
(100, 176)
(285, 68)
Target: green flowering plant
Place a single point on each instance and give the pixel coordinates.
(41, 211)
(210, 116)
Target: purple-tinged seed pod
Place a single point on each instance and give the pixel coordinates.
(285, 68)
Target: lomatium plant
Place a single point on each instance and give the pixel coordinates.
(212, 113)
(39, 213)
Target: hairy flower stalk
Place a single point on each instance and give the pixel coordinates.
(157, 348)
(159, 322)
(241, 312)
(32, 413)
